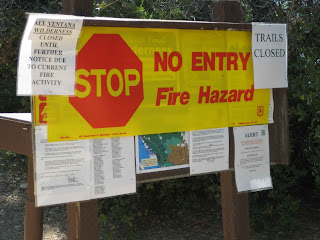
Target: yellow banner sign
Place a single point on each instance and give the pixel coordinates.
(133, 81)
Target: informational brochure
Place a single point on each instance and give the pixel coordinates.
(209, 150)
(270, 55)
(162, 152)
(61, 170)
(47, 56)
(81, 170)
(113, 167)
(252, 158)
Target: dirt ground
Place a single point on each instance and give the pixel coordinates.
(206, 225)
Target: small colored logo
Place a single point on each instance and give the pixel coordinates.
(260, 111)
(43, 112)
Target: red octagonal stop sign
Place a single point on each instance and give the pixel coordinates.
(109, 85)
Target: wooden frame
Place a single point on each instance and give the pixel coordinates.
(83, 216)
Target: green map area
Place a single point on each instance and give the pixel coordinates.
(171, 149)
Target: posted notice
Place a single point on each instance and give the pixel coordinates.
(252, 158)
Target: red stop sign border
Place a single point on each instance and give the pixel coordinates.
(107, 52)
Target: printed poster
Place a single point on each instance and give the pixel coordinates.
(140, 81)
(252, 158)
(61, 170)
(209, 150)
(113, 167)
(47, 55)
(270, 55)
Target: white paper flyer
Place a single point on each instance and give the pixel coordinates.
(48, 54)
(82, 170)
(61, 170)
(252, 159)
(270, 55)
(113, 167)
(209, 150)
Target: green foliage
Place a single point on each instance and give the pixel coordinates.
(304, 92)
(172, 198)
(156, 9)
(276, 209)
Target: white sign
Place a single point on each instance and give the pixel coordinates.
(252, 160)
(47, 55)
(269, 55)
(209, 150)
(113, 167)
(61, 170)
(81, 170)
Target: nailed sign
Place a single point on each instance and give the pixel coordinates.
(135, 81)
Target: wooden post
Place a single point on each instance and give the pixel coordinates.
(33, 222)
(83, 220)
(82, 217)
(235, 207)
(78, 7)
